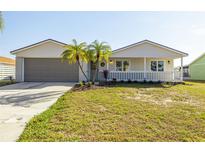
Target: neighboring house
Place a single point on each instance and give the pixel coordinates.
(197, 68)
(7, 68)
(145, 60)
(186, 71)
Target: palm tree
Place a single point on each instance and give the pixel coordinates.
(76, 53)
(1, 22)
(101, 51)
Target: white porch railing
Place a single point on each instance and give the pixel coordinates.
(141, 76)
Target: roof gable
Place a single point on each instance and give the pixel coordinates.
(47, 49)
(153, 44)
(199, 59)
(37, 44)
(143, 48)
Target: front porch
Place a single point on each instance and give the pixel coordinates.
(141, 76)
(141, 69)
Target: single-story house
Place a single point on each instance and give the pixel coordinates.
(197, 68)
(7, 68)
(145, 60)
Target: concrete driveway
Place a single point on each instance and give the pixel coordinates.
(20, 102)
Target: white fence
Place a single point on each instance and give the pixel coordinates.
(141, 76)
(6, 71)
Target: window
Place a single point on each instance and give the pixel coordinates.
(122, 65)
(125, 65)
(118, 65)
(157, 66)
(153, 65)
(160, 66)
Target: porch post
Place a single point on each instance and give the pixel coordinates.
(145, 68)
(181, 68)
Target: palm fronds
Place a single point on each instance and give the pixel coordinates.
(75, 53)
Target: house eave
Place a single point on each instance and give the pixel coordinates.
(183, 54)
(36, 44)
(197, 59)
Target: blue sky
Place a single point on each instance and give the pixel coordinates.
(184, 31)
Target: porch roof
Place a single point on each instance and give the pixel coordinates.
(149, 49)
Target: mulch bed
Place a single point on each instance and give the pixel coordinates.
(78, 87)
(87, 86)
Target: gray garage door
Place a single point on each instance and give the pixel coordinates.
(49, 69)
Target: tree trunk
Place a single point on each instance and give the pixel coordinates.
(82, 70)
(96, 70)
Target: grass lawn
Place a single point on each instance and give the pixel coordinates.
(6, 82)
(125, 112)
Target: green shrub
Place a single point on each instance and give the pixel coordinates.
(81, 83)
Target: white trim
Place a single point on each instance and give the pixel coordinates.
(35, 45)
(139, 76)
(145, 68)
(152, 43)
(142, 71)
(182, 72)
(22, 75)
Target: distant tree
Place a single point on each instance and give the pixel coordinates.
(76, 53)
(1, 22)
(101, 52)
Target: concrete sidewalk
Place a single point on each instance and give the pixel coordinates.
(20, 102)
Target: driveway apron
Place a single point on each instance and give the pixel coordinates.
(20, 102)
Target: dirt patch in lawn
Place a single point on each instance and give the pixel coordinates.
(161, 97)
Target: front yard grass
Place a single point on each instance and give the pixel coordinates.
(125, 112)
